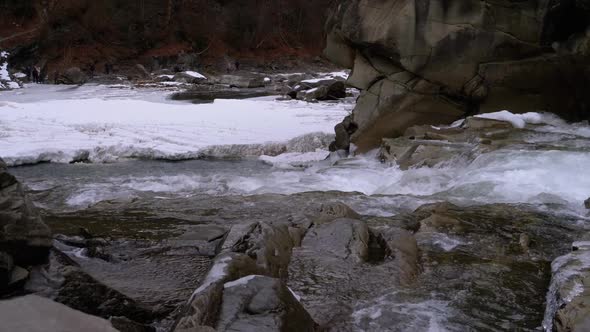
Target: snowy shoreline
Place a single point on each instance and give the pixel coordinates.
(98, 130)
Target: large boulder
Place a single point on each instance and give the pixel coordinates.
(23, 235)
(33, 313)
(73, 76)
(345, 239)
(190, 77)
(429, 62)
(242, 81)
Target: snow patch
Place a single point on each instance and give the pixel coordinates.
(217, 273)
(517, 120)
(242, 281)
(195, 74)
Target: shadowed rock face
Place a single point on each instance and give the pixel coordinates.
(23, 235)
(428, 62)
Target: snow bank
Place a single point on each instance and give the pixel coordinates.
(107, 130)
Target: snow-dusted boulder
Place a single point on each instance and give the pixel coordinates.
(6, 81)
(190, 77)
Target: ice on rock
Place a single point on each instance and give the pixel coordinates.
(517, 120)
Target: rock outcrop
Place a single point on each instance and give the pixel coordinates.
(428, 62)
(24, 239)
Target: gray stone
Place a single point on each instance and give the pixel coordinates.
(242, 81)
(124, 324)
(345, 239)
(270, 245)
(23, 235)
(313, 94)
(73, 75)
(401, 245)
(587, 203)
(189, 77)
(259, 303)
(432, 62)
(335, 210)
(32, 313)
(203, 307)
(6, 266)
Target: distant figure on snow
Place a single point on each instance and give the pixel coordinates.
(92, 68)
(108, 68)
(237, 65)
(35, 74)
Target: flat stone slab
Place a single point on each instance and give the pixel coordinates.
(33, 313)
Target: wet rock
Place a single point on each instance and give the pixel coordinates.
(73, 76)
(587, 203)
(259, 303)
(23, 235)
(475, 123)
(236, 234)
(139, 73)
(18, 277)
(270, 245)
(207, 239)
(313, 94)
(82, 292)
(36, 314)
(242, 81)
(124, 324)
(342, 238)
(204, 305)
(568, 299)
(401, 245)
(6, 265)
(343, 132)
(320, 90)
(189, 77)
(334, 210)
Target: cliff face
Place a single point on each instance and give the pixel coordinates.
(431, 62)
(82, 31)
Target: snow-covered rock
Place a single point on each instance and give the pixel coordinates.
(6, 82)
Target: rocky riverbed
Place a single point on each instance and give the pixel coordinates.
(473, 226)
